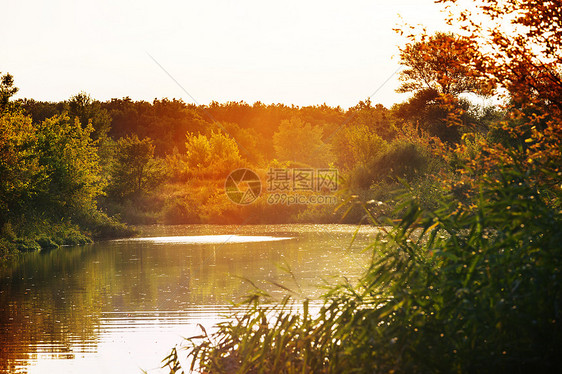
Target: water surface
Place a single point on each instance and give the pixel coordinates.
(119, 306)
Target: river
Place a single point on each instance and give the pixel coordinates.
(119, 306)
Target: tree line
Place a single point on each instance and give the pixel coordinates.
(93, 164)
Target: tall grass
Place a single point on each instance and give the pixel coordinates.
(461, 288)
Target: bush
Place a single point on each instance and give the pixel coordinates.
(104, 227)
(7, 250)
(27, 245)
(46, 243)
(8, 232)
(180, 211)
(70, 235)
(135, 213)
(403, 160)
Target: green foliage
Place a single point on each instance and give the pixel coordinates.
(212, 156)
(181, 209)
(7, 232)
(7, 90)
(208, 154)
(99, 226)
(198, 151)
(7, 250)
(426, 109)
(479, 287)
(41, 110)
(51, 176)
(448, 118)
(44, 234)
(248, 141)
(70, 161)
(395, 163)
(376, 117)
(27, 245)
(89, 111)
(439, 68)
(403, 160)
(66, 234)
(358, 145)
(49, 168)
(301, 142)
(134, 170)
(180, 212)
(46, 243)
(20, 168)
(164, 121)
(135, 174)
(322, 213)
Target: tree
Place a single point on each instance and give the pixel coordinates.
(88, 110)
(69, 157)
(376, 117)
(442, 63)
(48, 169)
(41, 110)
(521, 52)
(430, 111)
(7, 90)
(214, 156)
(132, 172)
(358, 145)
(439, 68)
(301, 142)
(19, 167)
(198, 151)
(520, 48)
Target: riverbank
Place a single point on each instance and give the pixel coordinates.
(47, 235)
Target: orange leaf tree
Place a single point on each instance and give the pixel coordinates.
(439, 69)
(520, 52)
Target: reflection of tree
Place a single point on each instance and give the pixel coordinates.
(41, 312)
(52, 304)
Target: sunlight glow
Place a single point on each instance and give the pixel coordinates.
(209, 239)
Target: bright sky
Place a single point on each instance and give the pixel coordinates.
(293, 52)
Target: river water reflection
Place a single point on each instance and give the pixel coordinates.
(119, 306)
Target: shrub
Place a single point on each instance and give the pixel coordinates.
(7, 250)
(27, 245)
(7, 232)
(180, 211)
(46, 242)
